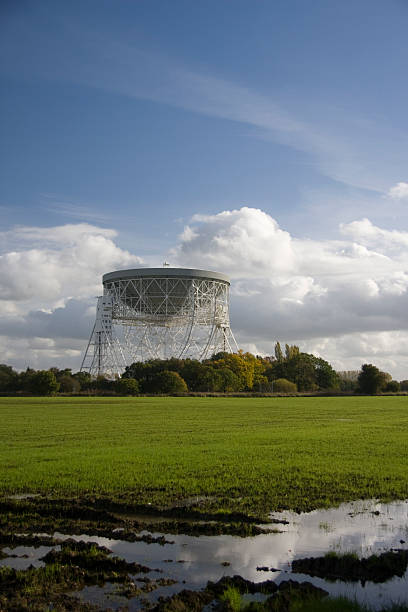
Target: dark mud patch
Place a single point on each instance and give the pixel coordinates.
(70, 566)
(94, 559)
(348, 567)
(195, 508)
(105, 518)
(12, 540)
(74, 566)
(279, 598)
(242, 585)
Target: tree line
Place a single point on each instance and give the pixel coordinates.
(287, 371)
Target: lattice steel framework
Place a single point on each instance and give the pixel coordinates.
(158, 313)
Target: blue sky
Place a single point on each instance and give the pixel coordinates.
(135, 115)
(121, 109)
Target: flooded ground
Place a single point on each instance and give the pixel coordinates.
(364, 528)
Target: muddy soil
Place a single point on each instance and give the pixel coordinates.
(74, 566)
(280, 597)
(69, 566)
(348, 567)
(102, 517)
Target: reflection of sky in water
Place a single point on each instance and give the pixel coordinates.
(21, 557)
(349, 528)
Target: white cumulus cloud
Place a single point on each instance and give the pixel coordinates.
(343, 299)
(368, 235)
(399, 191)
(52, 264)
(244, 242)
(49, 278)
(306, 291)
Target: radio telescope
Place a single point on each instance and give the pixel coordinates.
(158, 313)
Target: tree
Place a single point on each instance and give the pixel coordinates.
(103, 384)
(43, 382)
(127, 386)
(392, 386)
(8, 378)
(306, 371)
(371, 380)
(348, 380)
(229, 381)
(282, 385)
(404, 385)
(211, 380)
(326, 377)
(143, 370)
(167, 382)
(68, 384)
(237, 365)
(84, 380)
(245, 366)
(278, 352)
(197, 375)
(261, 383)
(291, 351)
(24, 380)
(298, 368)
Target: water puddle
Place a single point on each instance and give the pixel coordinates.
(22, 496)
(361, 527)
(23, 557)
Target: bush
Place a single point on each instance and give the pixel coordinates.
(167, 382)
(127, 386)
(282, 385)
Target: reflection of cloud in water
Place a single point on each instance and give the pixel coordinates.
(22, 557)
(351, 527)
(361, 527)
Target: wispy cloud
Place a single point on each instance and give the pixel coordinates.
(77, 211)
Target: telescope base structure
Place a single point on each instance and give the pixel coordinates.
(104, 354)
(146, 318)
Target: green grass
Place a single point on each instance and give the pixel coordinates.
(341, 604)
(249, 454)
(232, 599)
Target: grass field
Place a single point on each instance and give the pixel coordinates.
(246, 454)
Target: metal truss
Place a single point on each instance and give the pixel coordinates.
(158, 318)
(104, 354)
